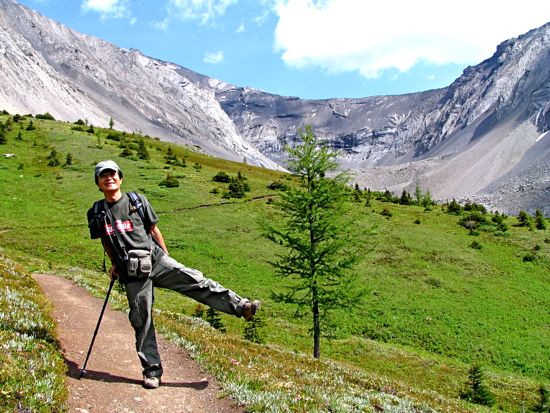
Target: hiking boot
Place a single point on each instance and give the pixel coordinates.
(151, 382)
(250, 308)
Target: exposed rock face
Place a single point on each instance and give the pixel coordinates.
(44, 66)
(469, 140)
(483, 137)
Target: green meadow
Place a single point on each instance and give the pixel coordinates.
(437, 298)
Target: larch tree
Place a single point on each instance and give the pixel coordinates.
(321, 239)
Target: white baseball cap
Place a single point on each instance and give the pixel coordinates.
(106, 165)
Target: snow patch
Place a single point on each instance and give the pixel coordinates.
(542, 136)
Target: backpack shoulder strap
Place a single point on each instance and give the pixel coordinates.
(136, 203)
(98, 208)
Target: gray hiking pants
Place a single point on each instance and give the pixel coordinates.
(170, 274)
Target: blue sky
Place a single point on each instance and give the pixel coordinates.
(313, 49)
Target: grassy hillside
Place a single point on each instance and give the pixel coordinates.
(435, 302)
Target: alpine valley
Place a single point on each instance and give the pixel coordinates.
(484, 137)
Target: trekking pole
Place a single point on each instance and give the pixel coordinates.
(83, 369)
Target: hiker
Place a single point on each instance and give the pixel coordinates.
(127, 226)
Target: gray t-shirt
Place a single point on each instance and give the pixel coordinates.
(123, 217)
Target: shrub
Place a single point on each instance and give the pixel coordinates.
(31, 126)
(498, 220)
(473, 207)
(222, 177)
(114, 136)
(170, 181)
(473, 221)
(386, 213)
(475, 245)
(277, 186)
(80, 122)
(46, 115)
(454, 207)
(126, 152)
(237, 188)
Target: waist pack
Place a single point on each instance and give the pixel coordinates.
(139, 263)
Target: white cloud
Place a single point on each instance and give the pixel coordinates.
(203, 10)
(372, 36)
(241, 28)
(214, 58)
(162, 25)
(115, 9)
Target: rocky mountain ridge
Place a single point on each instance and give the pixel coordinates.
(46, 66)
(484, 137)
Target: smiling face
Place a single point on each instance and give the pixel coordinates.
(109, 182)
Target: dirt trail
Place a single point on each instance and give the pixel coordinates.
(113, 379)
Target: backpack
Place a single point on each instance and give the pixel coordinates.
(137, 205)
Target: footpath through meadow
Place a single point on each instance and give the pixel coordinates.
(112, 382)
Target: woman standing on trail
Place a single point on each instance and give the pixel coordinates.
(127, 226)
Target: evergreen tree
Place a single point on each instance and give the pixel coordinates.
(540, 221)
(543, 405)
(427, 201)
(405, 198)
(31, 126)
(111, 123)
(319, 235)
(170, 155)
(418, 195)
(476, 391)
(142, 151)
(69, 159)
(53, 158)
(454, 207)
(252, 330)
(199, 311)
(524, 220)
(214, 319)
